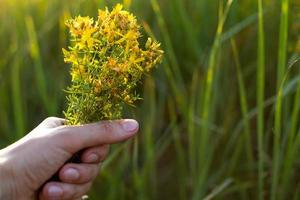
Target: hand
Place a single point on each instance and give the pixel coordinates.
(27, 165)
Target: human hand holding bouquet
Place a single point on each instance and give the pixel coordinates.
(107, 63)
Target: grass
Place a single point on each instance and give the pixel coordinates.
(282, 49)
(260, 99)
(220, 116)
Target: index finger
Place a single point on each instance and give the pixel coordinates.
(75, 138)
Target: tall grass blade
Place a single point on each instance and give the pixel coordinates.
(177, 92)
(149, 147)
(38, 66)
(260, 99)
(204, 158)
(292, 146)
(278, 109)
(219, 189)
(169, 47)
(191, 128)
(243, 101)
(17, 99)
(191, 37)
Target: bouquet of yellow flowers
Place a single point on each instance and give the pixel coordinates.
(107, 63)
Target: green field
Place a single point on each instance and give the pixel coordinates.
(220, 117)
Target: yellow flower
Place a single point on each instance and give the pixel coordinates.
(80, 24)
(117, 9)
(70, 57)
(108, 63)
(78, 73)
(87, 39)
(97, 86)
(102, 15)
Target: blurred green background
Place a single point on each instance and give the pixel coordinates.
(220, 115)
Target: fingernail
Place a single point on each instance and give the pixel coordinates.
(93, 158)
(72, 174)
(55, 191)
(130, 125)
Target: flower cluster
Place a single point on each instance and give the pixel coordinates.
(107, 63)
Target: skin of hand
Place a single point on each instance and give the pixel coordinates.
(28, 164)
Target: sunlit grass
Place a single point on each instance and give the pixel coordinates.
(220, 116)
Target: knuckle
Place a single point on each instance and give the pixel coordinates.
(89, 173)
(61, 133)
(71, 192)
(50, 119)
(60, 129)
(64, 129)
(52, 122)
(63, 136)
(106, 127)
(103, 151)
(81, 190)
(95, 171)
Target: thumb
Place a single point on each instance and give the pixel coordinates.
(75, 138)
(52, 122)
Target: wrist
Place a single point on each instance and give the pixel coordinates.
(5, 179)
